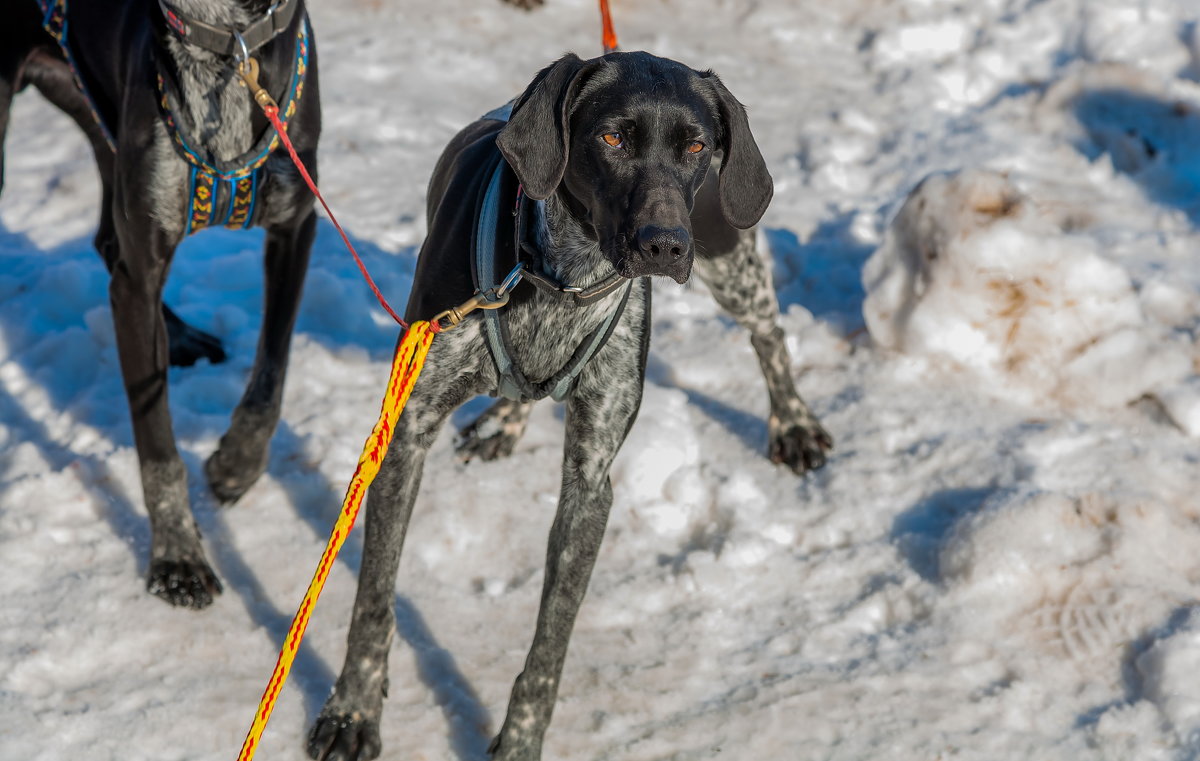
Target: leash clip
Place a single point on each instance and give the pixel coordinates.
(493, 298)
(247, 70)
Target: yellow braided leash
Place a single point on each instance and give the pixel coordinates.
(406, 366)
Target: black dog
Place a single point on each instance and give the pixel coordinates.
(180, 145)
(619, 148)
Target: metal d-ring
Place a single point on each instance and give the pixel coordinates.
(245, 56)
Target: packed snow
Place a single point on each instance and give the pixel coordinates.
(984, 239)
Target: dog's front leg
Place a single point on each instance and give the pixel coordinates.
(241, 457)
(741, 284)
(179, 572)
(348, 727)
(599, 415)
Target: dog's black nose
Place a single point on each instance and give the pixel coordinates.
(663, 245)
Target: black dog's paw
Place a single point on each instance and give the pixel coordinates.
(183, 583)
(344, 737)
(229, 476)
(800, 446)
(187, 345)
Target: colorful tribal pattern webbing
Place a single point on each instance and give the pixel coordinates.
(54, 21)
(243, 166)
(216, 201)
(228, 196)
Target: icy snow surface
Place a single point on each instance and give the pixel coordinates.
(999, 562)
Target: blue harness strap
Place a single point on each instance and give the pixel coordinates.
(512, 382)
(54, 21)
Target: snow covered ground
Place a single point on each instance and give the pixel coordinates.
(1000, 561)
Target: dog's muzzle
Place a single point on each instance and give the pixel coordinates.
(660, 251)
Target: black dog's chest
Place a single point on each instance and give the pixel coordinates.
(219, 193)
(228, 193)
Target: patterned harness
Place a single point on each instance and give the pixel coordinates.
(220, 192)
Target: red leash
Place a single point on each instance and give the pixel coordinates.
(610, 35)
(249, 73)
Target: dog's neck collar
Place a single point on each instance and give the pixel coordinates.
(234, 43)
(532, 258)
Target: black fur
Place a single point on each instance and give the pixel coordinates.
(600, 199)
(116, 46)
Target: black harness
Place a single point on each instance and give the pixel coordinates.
(486, 263)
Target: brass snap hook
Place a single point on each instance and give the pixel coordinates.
(247, 70)
(455, 315)
(491, 299)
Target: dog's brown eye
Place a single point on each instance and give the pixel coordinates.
(695, 146)
(614, 139)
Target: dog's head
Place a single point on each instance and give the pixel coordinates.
(626, 141)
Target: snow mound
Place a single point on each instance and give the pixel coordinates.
(972, 273)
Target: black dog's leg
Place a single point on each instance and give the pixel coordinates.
(7, 90)
(599, 415)
(53, 79)
(493, 434)
(728, 263)
(179, 572)
(242, 454)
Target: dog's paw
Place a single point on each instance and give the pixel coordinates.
(344, 737)
(494, 434)
(229, 476)
(183, 583)
(472, 443)
(800, 446)
(187, 345)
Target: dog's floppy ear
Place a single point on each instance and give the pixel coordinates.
(745, 184)
(537, 138)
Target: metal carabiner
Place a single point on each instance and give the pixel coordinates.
(491, 299)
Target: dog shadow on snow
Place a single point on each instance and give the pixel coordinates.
(1154, 141)
(28, 331)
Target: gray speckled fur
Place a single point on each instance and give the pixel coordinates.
(168, 184)
(215, 107)
(600, 411)
(740, 282)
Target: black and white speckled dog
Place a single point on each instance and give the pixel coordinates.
(180, 145)
(618, 150)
